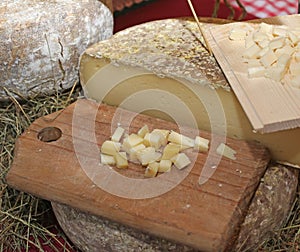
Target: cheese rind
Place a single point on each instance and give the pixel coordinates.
(43, 41)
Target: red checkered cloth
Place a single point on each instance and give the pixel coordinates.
(268, 8)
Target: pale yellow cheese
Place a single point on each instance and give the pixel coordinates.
(142, 131)
(226, 151)
(116, 137)
(110, 147)
(170, 150)
(201, 144)
(151, 170)
(121, 160)
(191, 100)
(181, 160)
(283, 145)
(107, 159)
(165, 165)
(133, 152)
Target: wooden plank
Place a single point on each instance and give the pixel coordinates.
(269, 105)
(68, 171)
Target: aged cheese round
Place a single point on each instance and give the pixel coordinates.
(41, 41)
(267, 211)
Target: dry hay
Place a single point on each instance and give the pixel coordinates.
(26, 221)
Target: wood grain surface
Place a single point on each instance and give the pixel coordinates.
(269, 105)
(68, 171)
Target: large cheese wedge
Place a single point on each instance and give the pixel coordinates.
(161, 68)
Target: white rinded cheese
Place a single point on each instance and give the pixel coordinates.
(41, 41)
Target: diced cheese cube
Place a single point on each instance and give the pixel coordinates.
(294, 68)
(134, 139)
(264, 43)
(237, 33)
(262, 52)
(297, 56)
(293, 37)
(268, 58)
(158, 138)
(280, 31)
(155, 140)
(142, 131)
(117, 135)
(121, 160)
(252, 51)
(164, 133)
(181, 160)
(131, 141)
(107, 159)
(259, 36)
(254, 72)
(287, 49)
(148, 155)
(110, 147)
(249, 41)
(146, 140)
(253, 63)
(265, 28)
(177, 138)
(133, 152)
(226, 151)
(170, 151)
(276, 72)
(151, 170)
(165, 165)
(277, 43)
(284, 59)
(201, 144)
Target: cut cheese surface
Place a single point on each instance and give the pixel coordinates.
(140, 77)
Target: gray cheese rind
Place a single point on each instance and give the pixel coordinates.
(41, 41)
(169, 48)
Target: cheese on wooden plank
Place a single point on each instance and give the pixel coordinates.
(161, 66)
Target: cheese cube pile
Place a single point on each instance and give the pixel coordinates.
(158, 151)
(271, 51)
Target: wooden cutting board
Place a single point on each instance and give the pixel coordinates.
(269, 105)
(173, 205)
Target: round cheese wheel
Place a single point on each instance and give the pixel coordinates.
(41, 41)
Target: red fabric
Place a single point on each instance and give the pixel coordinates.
(119, 5)
(269, 8)
(162, 9)
(57, 244)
